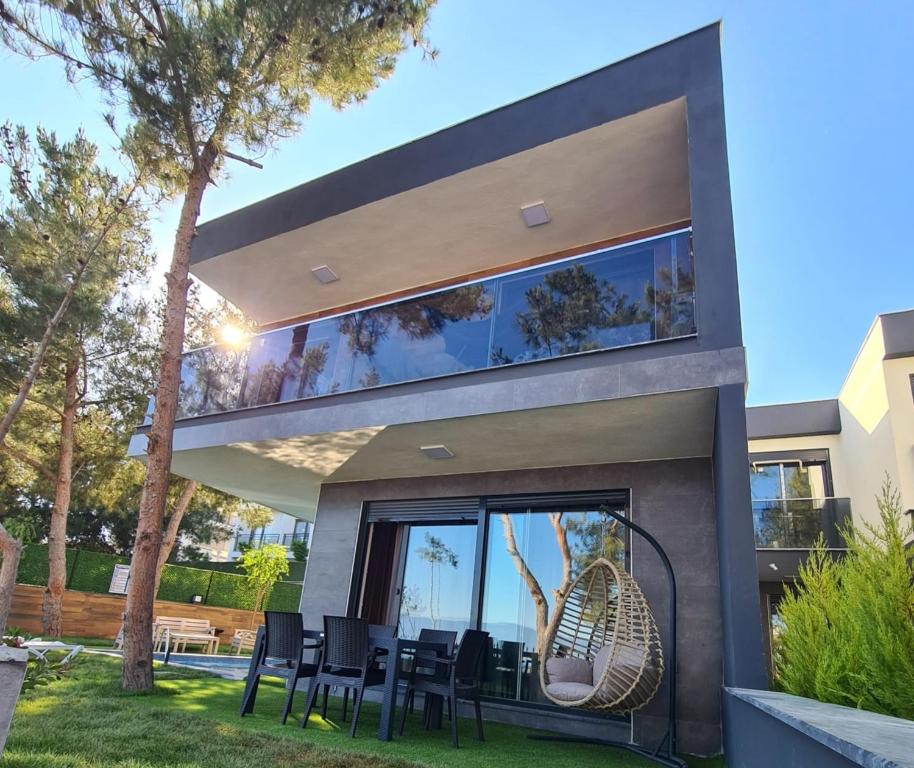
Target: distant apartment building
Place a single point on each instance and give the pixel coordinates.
(283, 529)
(816, 465)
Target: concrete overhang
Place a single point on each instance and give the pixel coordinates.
(287, 473)
(613, 154)
(603, 184)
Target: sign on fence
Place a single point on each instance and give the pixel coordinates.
(119, 579)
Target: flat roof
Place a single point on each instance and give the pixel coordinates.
(816, 417)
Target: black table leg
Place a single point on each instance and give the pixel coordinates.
(389, 702)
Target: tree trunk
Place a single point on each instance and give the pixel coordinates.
(52, 608)
(137, 670)
(171, 530)
(25, 386)
(10, 552)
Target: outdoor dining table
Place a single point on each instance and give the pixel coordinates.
(395, 648)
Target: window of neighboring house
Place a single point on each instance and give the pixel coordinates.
(301, 530)
(788, 497)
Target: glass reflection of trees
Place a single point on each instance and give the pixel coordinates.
(541, 553)
(603, 300)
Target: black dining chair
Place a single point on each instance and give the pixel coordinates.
(463, 681)
(374, 630)
(347, 660)
(284, 640)
(423, 662)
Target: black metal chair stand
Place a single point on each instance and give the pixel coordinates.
(462, 681)
(665, 751)
(280, 656)
(347, 661)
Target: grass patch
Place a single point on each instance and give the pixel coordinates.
(191, 721)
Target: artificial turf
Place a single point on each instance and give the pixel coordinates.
(191, 721)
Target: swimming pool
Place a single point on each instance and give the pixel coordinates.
(230, 667)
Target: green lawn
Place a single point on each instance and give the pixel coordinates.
(191, 721)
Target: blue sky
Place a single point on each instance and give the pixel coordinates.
(820, 111)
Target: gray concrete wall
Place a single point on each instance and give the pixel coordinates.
(672, 499)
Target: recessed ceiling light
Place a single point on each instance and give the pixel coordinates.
(534, 214)
(437, 451)
(772, 566)
(324, 274)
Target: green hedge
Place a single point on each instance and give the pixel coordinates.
(285, 596)
(181, 584)
(89, 571)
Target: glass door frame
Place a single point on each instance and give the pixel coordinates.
(486, 506)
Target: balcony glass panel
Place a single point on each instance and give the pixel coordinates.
(611, 298)
(797, 523)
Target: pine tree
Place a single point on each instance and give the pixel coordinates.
(202, 82)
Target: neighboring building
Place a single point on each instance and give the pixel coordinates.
(535, 311)
(282, 529)
(815, 465)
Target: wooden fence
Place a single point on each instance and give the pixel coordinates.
(86, 614)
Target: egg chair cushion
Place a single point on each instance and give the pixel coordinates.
(568, 669)
(628, 660)
(569, 691)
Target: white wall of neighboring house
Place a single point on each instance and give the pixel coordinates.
(280, 530)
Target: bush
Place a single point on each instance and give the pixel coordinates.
(849, 627)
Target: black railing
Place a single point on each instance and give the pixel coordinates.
(257, 539)
(798, 523)
(616, 297)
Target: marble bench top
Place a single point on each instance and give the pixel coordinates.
(865, 738)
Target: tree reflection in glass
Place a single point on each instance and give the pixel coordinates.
(410, 340)
(210, 380)
(533, 559)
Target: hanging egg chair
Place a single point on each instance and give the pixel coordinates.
(604, 651)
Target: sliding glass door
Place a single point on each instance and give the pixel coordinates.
(437, 585)
(533, 556)
(502, 564)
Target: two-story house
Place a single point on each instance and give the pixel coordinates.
(816, 466)
(474, 343)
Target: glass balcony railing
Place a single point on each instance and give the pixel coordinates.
(256, 539)
(631, 294)
(798, 523)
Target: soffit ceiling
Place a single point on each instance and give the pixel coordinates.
(625, 176)
(287, 474)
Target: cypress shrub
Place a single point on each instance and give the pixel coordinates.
(849, 626)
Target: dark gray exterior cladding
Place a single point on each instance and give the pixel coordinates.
(672, 499)
(898, 334)
(818, 417)
(687, 67)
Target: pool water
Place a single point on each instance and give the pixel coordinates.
(230, 667)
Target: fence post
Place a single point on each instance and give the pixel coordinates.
(72, 569)
(209, 586)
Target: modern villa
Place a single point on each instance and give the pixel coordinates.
(817, 465)
(472, 347)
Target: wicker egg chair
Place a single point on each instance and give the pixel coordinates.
(606, 615)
